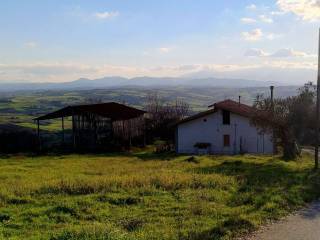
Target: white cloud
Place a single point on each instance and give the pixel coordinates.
(277, 13)
(106, 15)
(291, 65)
(281, 53)
(254, 52)
(145, 53)
(265, 19)
(60, 72)
(30, 44)
(283, 72)
(164, 49)
(272, 36)
(286, 52)
(308, 10)
(254, 35)
(248, 20)
(251, 7)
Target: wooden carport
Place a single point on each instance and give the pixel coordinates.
(94, 122)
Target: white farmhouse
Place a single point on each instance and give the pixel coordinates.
(224, 129)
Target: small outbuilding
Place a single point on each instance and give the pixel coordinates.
(223, 129)
(97, 125)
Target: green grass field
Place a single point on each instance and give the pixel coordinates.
(147, 196)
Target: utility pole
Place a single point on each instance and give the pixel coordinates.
(316, 149)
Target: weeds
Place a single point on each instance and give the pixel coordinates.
(4, 217)
(119, 200)
(142, 197)
(192, 159)
(131, 224)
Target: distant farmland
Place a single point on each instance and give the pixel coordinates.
(21, 107)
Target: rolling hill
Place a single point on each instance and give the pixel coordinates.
(107, 82)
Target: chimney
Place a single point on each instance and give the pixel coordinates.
(271, 92)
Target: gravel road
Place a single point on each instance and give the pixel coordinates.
(304, 225)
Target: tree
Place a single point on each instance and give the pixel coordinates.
(290, 119)
(162, 114)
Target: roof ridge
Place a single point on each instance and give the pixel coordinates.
(229, 100)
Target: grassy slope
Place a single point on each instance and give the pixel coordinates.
(144, 196)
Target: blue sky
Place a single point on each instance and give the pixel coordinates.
(44, 40)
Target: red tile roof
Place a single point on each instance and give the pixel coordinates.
(228, 105)
(196, 116)
(234, 107)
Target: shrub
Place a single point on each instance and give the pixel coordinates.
(202, 145)
(119, 200)
(192, 159)
(131, 224)
(91, 232)
(19, 201)
(4, 217)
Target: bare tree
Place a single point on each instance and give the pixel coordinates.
(162, 114)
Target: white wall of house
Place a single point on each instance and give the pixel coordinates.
(210, 129)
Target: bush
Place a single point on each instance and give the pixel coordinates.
(131, 224)
(14, 139)
(202, 145)
(4, 217)
(120, 200)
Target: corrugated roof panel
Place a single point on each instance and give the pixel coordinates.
(112, 110)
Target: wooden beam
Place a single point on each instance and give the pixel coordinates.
(129, 133)
(62, 126)
(38, 134)
(144, 132)
(73, 133)
(316, 147)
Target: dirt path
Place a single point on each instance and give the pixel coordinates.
(304, 225)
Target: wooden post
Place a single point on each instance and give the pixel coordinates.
(123, 134)
(38, 133)
(62, 126)
(274, 142)
(144, 132)
(73, 132)
(235, 139)
(129, 132)
(316, 147)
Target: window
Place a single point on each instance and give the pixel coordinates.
(226, 117)
(226, 140)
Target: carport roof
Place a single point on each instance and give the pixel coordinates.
(114, 111)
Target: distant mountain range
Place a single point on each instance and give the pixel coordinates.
(109, 82)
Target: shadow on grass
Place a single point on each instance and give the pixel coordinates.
(259, 177)
(151, 156)
(271, 189)
(226, 228)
